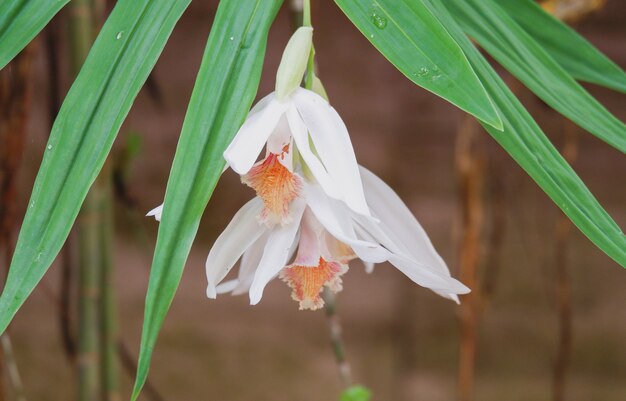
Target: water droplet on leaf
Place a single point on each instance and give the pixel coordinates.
(49, 147)
(422, 72)
(378, 20)
(232, 38)
(120, 34)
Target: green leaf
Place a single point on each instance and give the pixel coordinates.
(518, 52)
(356, 393)
(224, 90)
(414, 41)
(20, 21)
(530, 148)
(573, 52)
(83, 133)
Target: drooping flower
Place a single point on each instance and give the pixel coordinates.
(312, 201)
(327, 235)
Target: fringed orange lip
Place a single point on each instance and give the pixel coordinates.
(307, 282)
(276, 185)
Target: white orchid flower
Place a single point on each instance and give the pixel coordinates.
(327, 235)
(283, 128)
(313, 201)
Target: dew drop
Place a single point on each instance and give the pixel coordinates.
(378, 20)
(232, 38)
(120, 34)
(49, 147)
(372, 36)
(435, 77)
(422, 72)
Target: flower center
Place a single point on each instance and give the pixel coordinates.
(276, 185)
(307, 282)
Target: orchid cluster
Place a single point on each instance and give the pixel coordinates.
(315, 208)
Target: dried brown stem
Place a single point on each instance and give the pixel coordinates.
(572, 10)
(470, 164)
(15, 89)
(563, 230)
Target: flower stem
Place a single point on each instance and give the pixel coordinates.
(330, 307)
(306, 16)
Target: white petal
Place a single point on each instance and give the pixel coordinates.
(332, 141)
(245, 148)
(280, 137)
(399, 224)
(261, 104)
(301, 137)
(249, 262)
(335, 217)
(241, 232)
(276, 252)
(309, 251)
(227, 286)
(422, 275)
(156, 212)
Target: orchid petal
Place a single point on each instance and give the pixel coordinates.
(262, 104)
(241, 233)
(301, 137)
(249, 262)
(369, 267)
(445, 286)
(227, 286)
(309, 251)
(280, 137)
(276, 252)
(156, 212)
(332, 141)
(420, 273)
(335, 217)
(399, 222)
(245, 148)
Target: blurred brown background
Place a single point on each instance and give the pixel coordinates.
(402, 341)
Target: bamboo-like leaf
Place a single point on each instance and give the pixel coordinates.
(20, 21)
(224, 90)
(414, 41)
(487, 23)
(530, 148)
(83, 133)
(573, 52)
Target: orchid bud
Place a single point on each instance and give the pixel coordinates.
(318, 87)
(294, 62)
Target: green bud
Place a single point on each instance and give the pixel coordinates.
(294, 62)
(318, 87)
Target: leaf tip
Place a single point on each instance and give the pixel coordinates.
(494, 121)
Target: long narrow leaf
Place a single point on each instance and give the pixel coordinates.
(20, 21)
(224, 90)
(519, 53)
(83, 133)
(573, 52)
(414, 41)
(527, 144)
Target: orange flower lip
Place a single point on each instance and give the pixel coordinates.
(276, 185)
(307, 282)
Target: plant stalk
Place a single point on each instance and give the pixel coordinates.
(471, 170)
(90, 219)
